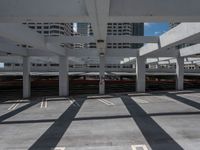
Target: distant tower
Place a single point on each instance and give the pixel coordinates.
(132, 29)
(84, 29)
(52, 29)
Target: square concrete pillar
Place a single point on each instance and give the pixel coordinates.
(63, 76)
(26, 77)
(102, 74)
(140, 74)
(180, 73)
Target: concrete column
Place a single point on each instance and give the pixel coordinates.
(63, 76)
(157, 65)
(179, 73)
(26, 77)
(140, 74)
(102, 74)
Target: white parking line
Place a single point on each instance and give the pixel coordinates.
(106, 102)
(44, 104)
(41, 105)
(11, 106)
(59, 148)
(14, 106)
(141, 101)
(11, 101)
(74, 103)
(136, 147)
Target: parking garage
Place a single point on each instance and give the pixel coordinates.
(81, 74)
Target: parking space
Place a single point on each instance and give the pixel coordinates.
(11, 105)
(194, 96)
(115, 122)
(162, 104)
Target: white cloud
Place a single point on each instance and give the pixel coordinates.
(147, 24)
(157, 32)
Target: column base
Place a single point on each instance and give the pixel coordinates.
(102, 87)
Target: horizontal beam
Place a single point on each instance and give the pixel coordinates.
(54, 59)
(122, 52)
(158, 19)
(154, 10)
(183, 33)
(42, 11)
(24, 35)
(70, 39)
(159, 59)
(37, 52)
(163, 62)
(192, 58)
(80, 53)
(132, 39)
(90, 52)
(163, 53)
(110, 39)
(148, 48)
(191, 50)
(76, 11)
(11, 59)
(93, 52)
(8, 46)
(13, 49)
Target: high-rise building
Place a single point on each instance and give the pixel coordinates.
(52, 29)
(84, 29)
(132, 29)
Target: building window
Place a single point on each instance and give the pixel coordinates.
(54, 65)
(17, 65)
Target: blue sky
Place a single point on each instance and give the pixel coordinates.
(1, 65)
(155, 29)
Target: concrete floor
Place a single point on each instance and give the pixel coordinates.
(158, 121)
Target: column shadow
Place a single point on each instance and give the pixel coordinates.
(157, 137)
(99, 118)
(184, 100)
(51, 137)
(17, 111)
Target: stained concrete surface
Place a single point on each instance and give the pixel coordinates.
(159, 121)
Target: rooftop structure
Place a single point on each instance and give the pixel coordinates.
(61, 47)
(51, 48)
